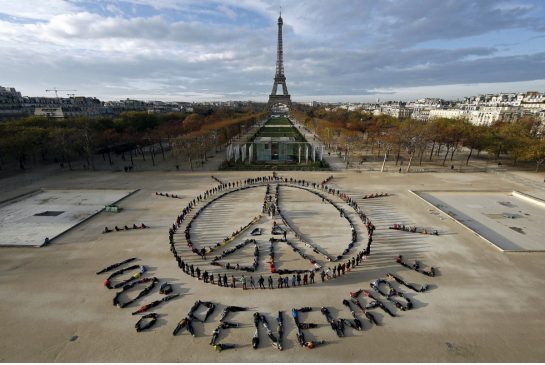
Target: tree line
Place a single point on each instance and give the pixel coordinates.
(439, 138)
(188, 136)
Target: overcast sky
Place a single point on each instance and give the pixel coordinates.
(353, 50)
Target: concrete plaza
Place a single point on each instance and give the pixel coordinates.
(510, 221)
(29, 219)
(485, 305)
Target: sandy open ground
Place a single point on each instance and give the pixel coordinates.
(486, 305)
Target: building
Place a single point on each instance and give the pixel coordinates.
(11, 103)
(49, 112)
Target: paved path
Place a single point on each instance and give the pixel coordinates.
(336, 163)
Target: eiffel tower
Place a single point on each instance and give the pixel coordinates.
(279, 78)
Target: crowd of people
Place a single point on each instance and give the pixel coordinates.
(125, 228)
(147, 321)
(414, 229)
(326, 180)
(271, 206)
(417, 289)
(175, 196)
(259, 318)
(216, 179)
(228, 266)
(416, 267)
(152, 282)
(375, 195)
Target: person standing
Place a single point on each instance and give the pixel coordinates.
(322, 275)
(252, 283)
(198, 273)
(312, 277)
(305, 279)
(286, 282)
(293, 280)
(280, 282)
(270, 282)
(261, 282)
(233, 282)
(243, 281)
(225, 280)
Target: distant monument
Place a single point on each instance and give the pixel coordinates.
(279, 78)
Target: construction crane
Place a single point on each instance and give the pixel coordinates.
(57, 91)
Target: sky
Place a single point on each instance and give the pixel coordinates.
(343, 50)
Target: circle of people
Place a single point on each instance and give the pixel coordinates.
(298, 277)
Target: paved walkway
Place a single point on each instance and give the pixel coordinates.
(336, 163)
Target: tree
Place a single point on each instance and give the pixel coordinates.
(63, 141)
(535, 151)
(475, 137)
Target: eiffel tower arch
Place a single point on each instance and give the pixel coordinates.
(279, 77)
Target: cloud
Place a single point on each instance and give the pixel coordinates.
(212, 47)
(36, 9)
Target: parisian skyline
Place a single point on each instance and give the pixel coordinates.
(225, 50)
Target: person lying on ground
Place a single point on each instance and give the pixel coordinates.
(300, 338)
(423, 287)
(334, 324)
(312, 344)
(386, 309)
(306, 326)
(223, 346)
(107, 282)
(280, 329)
(211, 306)
(215, 335)
(255, 339)
(154, 304)
(136, 275)
(225, 325)
(117, 264)
(231, 308)
(182, 324)
(165, 288)
(142, 293)
(367, 314)
(355, 323)
(431, 272)
(146, 322)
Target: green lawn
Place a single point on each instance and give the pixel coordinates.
(270, 131)
(279, 121)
